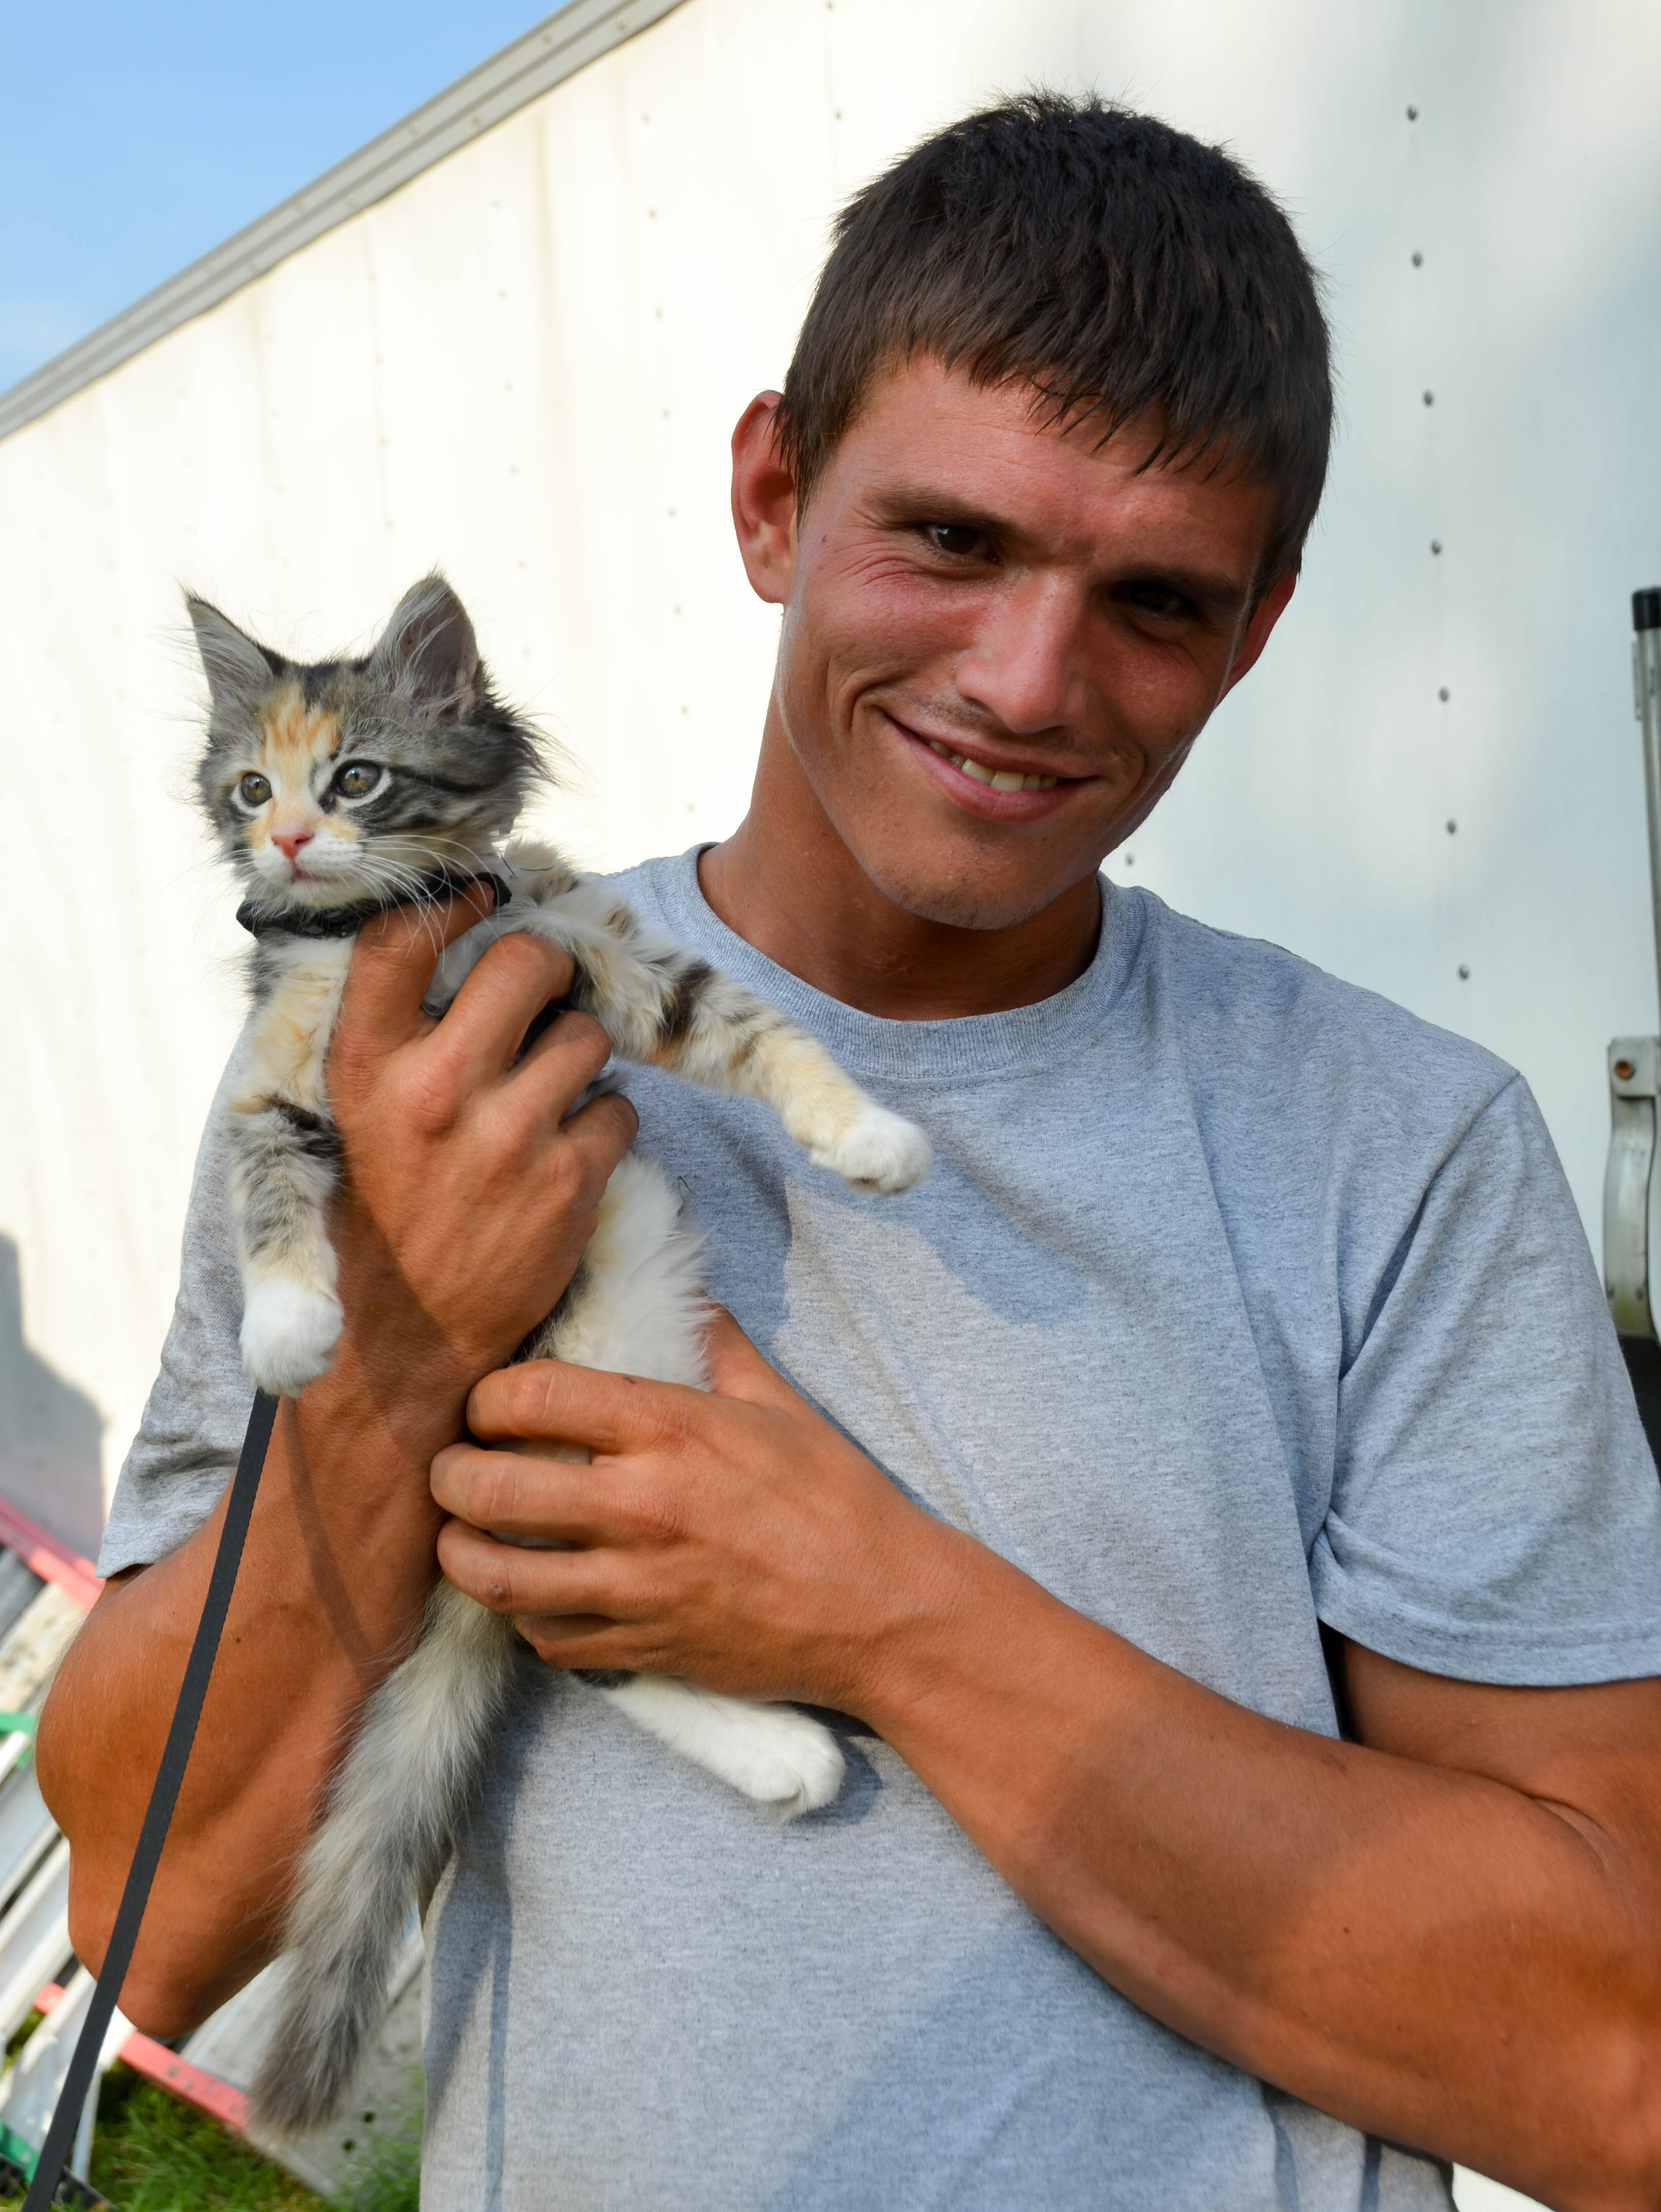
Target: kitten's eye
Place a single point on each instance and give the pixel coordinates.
(253, 790)
(358, 780)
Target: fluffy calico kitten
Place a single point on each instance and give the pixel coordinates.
(337, 789)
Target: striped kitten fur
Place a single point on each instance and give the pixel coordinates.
(338, 788)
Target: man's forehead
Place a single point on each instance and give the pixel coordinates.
(927, 433)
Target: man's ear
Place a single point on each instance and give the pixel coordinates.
(1264, 615)
(763, 500)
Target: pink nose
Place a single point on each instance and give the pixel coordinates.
(288, 841)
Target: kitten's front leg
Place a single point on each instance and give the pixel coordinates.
(738, 1042)
(773, 1754)
(285, 1162)
(285, 1166)
(664, 1006)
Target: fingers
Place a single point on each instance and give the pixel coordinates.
(602, 1130)
(394, 965)
(578, 1639)
(509, 1494)
(508, 1578)
(549, 1401)
(515, 978)
(561, 1064)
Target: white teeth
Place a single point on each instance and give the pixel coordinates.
(1004, 779)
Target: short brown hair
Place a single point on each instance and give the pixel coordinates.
(1118, 266)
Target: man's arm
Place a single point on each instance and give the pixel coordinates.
(469, 1198)
(1448, 1935)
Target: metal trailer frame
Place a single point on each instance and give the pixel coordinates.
(1632, 1187)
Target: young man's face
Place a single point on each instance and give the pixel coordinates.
(999, 640)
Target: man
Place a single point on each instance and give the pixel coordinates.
(1213, 1503)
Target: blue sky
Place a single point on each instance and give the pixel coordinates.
(136, 137)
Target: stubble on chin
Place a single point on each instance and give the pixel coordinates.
(958, 898)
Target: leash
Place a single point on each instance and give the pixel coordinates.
(158, 1814)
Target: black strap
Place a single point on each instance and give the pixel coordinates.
(158, 1814)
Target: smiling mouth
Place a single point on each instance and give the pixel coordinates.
(1003, 779)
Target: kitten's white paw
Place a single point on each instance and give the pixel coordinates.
(773, 1754)
(880, 1151)
(289, 1335)
(783, 1758)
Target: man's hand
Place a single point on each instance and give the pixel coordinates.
(471, 1189)
(733, 1536)
(1449, 1935)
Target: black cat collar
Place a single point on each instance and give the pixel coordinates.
(347, 921)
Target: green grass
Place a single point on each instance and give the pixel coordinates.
(21, 2034)
(387, 2178)
(152, 2153)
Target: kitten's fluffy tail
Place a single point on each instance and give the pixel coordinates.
(393, 1811)
(402, 1791)
(401, 1794)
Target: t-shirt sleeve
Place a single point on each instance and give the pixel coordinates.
(1495, 1515)
(186, 1447)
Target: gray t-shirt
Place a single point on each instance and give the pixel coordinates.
(1238, 1300)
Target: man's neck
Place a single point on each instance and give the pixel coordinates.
(785, 882)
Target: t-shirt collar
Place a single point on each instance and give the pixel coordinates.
(866, 1044)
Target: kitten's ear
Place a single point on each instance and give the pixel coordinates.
(427, 653)
(238, 672)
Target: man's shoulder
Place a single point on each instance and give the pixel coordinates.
(1269, 1017)
(643, 882)
(1258, 1027)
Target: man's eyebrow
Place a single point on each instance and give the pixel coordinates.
(915, 503)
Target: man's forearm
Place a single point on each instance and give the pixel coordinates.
(330, 1591)
(1433, 1956)
(472, 1188)
(1452, 1939)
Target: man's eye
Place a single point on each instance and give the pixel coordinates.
(957, 538)
(358, 780)
(253, 790)
(1160, 599)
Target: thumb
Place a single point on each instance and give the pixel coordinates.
(737, 1369)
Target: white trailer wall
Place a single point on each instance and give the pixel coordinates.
(524, 366)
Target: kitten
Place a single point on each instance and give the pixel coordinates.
(337, 789)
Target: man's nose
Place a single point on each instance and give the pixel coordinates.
(1023, 666)
(288, 841)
